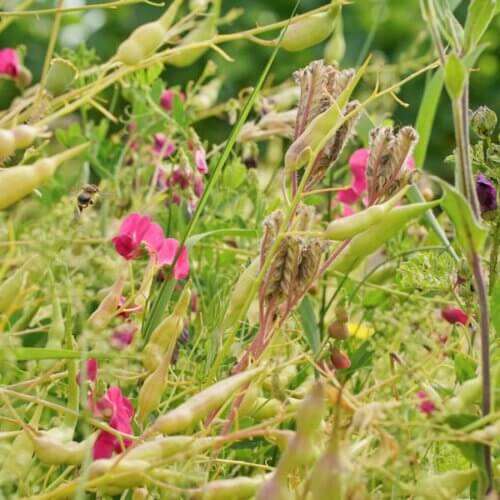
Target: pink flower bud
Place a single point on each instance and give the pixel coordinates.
(163, 146)
(455, 315)
(425, 405)
(91, 372)
(123, 336)
(9, 63)
(200, 160)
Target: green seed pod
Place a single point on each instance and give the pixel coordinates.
(444, 486)
(483, 121)
(109, 305)
(18, 182)
(25, 135)
(335, 48)
(321, 128)
(152, 391)
(7, 143)
(229, 489)
(383, 273)
(146, 39)
(311, 411)
(204, 31)
(200, 405)
(10, 289)
(310, 30)
(239, 295)
(367, 242)
(207, 96)
(56, 448)
(348, 227)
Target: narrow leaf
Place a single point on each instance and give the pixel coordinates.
(479, 16)
(310, 324)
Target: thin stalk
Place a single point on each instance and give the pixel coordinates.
(494, 255)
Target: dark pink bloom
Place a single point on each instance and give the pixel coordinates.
(455, 315)
(181, 178)
(167, 99)
(200, 160)
(123, 336)
(163, 146)
(167, 254)
(426, 405)
(118, 411)
(91, 371)
(357, 164)
(135, 230)
(9, 63)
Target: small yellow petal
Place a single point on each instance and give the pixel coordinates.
(359, 330)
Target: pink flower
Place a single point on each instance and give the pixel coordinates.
(167, 99)
(118, 411)
(180, 177)
(166, 256)
(90, 373)
(455, 315)
(198, 185)
(163, 146)
(123, 336)
(135, 230)
(425, 405)
(357, 164)
(201, 161)
(9, 63)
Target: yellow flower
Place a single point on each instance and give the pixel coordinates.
(360, 330)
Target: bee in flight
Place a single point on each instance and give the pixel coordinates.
(86, 197)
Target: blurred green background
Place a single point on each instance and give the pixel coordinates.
(391, 29)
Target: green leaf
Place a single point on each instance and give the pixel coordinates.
(234, 174)
(455, 76)
(465, 367)
(479, 16)
(471, 451)
(426, 114)
(310, 324)
(471, 233)
(39, 353)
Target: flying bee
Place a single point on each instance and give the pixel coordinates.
(86, 198)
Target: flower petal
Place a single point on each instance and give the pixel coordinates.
(167, 251)
(182, 265)
(104, 445)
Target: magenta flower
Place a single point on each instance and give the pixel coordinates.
(201, 160)
(198, 185)
(163, 146)
(166, 256)
(455, 315)
(486, 193)
(167, 99)
(91, 371)
(9, 63)
(135, 230)
(123, 336)
(118, 411)
(426, 405)
(357, 164)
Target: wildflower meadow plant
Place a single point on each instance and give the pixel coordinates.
(213, 292)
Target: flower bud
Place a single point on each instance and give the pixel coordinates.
(338, 330)
(486, 194)
(340, 360)
(454, 315)
(483, 121)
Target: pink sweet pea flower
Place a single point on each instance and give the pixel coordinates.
(167, 254)
(455, 315)
(357, 164)
(426, 405)
(163, 146)
(123, 336)
(9, 63)
(118, 411)
(91, 372)
(167, 99)
(200, 160)
(135, 230)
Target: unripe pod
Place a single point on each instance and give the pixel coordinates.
(335, 48)
(146, 39)
(199, 406)
(229, 489)
(7, 143)
(152, 391)
(239, 295)
(348, 227)
(10, 289)
(18, 182)
(24, 135)
(204, 31)
(53, 448)
(310, 30)
(367, 242)
(311, 410)
(126, 473)
(108, 306)
(338, 330)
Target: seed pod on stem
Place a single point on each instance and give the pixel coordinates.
(108, 306)
(18, 182)
(229, 489)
